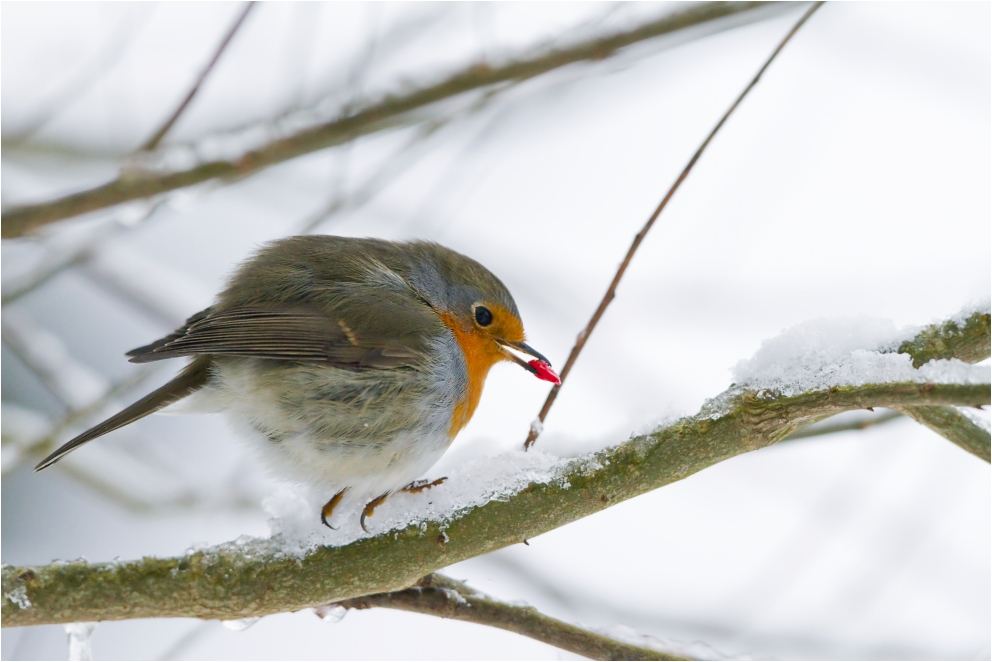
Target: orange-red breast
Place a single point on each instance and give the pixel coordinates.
(353, 363)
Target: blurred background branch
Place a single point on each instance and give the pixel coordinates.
(833, 427)
(153, 142)
(377, 116)
(437, 595)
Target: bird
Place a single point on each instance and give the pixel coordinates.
(346, 362)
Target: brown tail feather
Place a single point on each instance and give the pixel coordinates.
(191, 379)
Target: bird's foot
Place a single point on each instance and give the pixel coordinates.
(421, 485)
(370, 508)
(328, 509)
(413, 488)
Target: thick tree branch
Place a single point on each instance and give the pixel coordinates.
(240, 581)
(440, 596)
(234, 581)
(375, 117)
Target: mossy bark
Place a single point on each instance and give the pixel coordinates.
(970, 341)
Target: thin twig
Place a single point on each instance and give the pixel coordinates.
(847, 426)
(440, 596)
(377, 116)
(155, 139)
(77, 87)
(398, 163)
(580, 341)
(74, 384)
(188, 501)
(58, 261)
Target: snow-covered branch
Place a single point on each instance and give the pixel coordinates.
(504, 501)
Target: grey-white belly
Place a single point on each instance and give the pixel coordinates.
(370, 430)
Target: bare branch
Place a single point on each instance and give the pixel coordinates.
(436, 595)
(611, 291)
(374, 117)
(75, 384)
(112, 51)
(42, 447)
(223, 500)
(55, 261)
(953, 426)
(153, 142)
(846, 426)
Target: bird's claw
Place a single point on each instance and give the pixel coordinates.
(328, 509)
(370, 508)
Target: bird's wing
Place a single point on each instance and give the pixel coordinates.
(386, 333)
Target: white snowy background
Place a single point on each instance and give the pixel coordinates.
(854, 181)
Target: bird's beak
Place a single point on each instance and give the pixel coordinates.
(540, 367)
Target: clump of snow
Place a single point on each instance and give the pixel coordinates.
(845, 352)
(19, 596)
(455, 596)
(296, 527)
(983, 305)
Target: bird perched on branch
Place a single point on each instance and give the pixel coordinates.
(352, 363)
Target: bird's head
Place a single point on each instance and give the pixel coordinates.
(479, 310)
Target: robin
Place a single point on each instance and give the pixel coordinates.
(350, 362)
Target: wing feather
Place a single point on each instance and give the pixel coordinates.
(291, 334)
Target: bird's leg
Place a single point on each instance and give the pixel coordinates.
(370, 508)
(421, 485)
(328, 509)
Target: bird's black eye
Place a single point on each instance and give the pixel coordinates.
(483, 316)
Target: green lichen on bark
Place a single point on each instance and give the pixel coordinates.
(968, 341)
